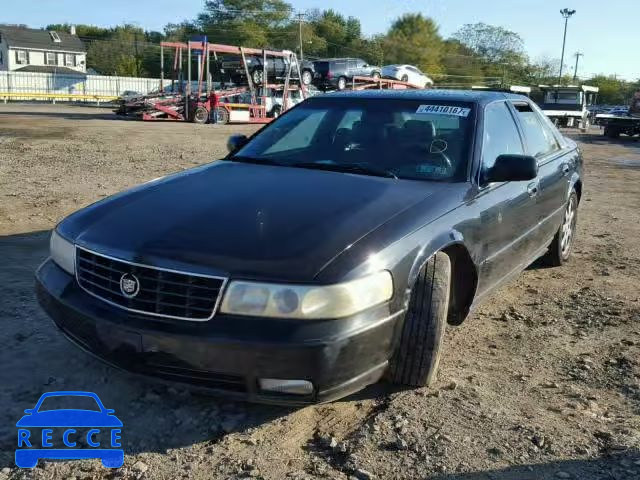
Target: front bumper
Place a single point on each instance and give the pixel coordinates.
(228, 354)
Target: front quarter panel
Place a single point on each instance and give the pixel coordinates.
(405, 243)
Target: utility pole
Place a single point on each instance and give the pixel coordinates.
(566, 14)
(300, 17)
(575, 71)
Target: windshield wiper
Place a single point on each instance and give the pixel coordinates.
(347, 168)
(257, 161)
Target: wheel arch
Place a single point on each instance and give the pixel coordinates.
(464, 275)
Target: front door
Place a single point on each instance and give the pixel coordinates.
(508, 217)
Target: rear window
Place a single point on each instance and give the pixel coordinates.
(422, 140)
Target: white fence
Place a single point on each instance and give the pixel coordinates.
(27, 86)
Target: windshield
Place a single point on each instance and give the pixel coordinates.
(411, 139)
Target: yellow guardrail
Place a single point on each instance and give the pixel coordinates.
(55, 96)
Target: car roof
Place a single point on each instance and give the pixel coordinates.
(472, 96)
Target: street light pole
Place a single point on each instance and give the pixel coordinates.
(566, 14)
(300, 17)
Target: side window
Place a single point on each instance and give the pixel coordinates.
(539, 137)
(351, 64)
(299, 136)
(500, 134)
(350, 117)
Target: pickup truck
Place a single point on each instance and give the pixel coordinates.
(277, 68)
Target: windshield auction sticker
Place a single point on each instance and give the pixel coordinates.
(444, 110)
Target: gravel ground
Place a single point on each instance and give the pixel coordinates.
(541, 382)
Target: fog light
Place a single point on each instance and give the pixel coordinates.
(293, 387)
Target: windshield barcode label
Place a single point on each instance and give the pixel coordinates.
(444, 110)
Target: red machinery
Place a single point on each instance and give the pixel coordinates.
(220, 106)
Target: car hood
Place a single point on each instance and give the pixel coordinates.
(69, 418)
(252, 221)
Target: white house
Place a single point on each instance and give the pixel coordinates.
(31, 50)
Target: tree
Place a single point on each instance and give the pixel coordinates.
(254, 23)
(494, 44)
(414, 39)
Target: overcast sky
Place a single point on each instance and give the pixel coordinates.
(608, 33)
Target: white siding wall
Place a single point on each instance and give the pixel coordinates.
(38, 57)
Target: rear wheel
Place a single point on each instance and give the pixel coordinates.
(342, 83)
(201, 115)
(276, 111)
(405, 78)
(222, 115)
(560, 248)
(416, 360)
(376, 76)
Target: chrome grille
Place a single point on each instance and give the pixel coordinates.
(162, 293)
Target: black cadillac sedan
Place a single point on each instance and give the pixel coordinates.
(327, 251)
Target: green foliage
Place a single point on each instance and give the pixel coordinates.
(614, 91)
(414, 39)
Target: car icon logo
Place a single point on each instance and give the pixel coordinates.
(69, 433)
(129, 285)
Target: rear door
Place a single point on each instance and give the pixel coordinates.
(554, 166)
(352, 68)
(507, 209)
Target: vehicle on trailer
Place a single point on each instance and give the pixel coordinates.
(328, 250)
(277, 68)
(335, 73)
(622, 121)
(407, 73)
(567, 106)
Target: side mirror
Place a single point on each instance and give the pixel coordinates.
(235, 142)
(513, 168)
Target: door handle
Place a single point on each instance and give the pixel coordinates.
(565, 168)
(532, 189)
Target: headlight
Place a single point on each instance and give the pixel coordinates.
(63, 252)
(307, 302)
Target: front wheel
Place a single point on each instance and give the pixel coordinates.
(560, 248)
(277, 110)
(257, 76)
(416, 359)
(405, 78)
(376, 76)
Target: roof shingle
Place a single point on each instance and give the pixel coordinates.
(21, 37)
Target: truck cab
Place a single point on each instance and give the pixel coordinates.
(566, 106)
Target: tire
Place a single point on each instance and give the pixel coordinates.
(257, 76)
(222, 116)
(276, 111)
(200, 115)
(405, 78)
(415, 362)
(611, 132)
(560, 248)
(342, 83)
(375, 76)
(585, 125)
(307, 78)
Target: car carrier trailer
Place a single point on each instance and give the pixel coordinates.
(629, 124)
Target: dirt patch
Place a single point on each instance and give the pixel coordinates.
(542, 382)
